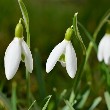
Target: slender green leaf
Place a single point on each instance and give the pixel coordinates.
(26, 19)
(95, 103)
(46, 104)
(84, 99)
(72, 97)
(69, 105)
(32, 105)
(63, 94)
(39, 75)
(35, 106)
(107, 99)
(24, 12)
(5, 102)
(75, 27)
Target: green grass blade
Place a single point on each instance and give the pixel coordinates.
(107, 99)
(39, 75)
(69, 105)
(5, 102)
(46, 104)
(72, 97)
(84, 99)
(95, 103)
(31, 105)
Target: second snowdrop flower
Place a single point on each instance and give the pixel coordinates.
(17, 50)
(104, 49)
(65, 54)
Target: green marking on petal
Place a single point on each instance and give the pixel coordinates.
(62, 58)
(22, 57)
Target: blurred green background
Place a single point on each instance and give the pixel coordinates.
(49, 20)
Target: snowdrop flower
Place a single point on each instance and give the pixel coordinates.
(104, 49)
(17, 50)
(65, 54)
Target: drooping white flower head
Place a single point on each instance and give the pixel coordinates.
(104, 49)
(65, 54)
(13, 55)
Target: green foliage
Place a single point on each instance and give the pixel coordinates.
(48, 22)
(95, 103)
(46, 104)
(107, 99)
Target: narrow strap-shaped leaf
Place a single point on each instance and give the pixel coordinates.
(46, 104)
(95, 103)
(72, 97)
(31, 105)
(26, 19)
(75, 27)
(24, 12)
(107, 99)
(39, 75)
(5, 101)
(84, 99)
(69, 105)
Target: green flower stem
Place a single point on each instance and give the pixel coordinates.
(26, 23)
(14, 99)
(28, 86)
(102, 22)
(27, 73)
(79, 75)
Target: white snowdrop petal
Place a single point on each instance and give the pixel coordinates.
(28, 56)
(100, 50)
(12, 58)
(106, 50)
(71, 60)
(55, 55)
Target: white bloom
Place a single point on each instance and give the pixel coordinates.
(70, 61)
(12, 57)
(104, 49)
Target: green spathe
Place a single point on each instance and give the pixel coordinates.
(19, 30)
(68, 34)
(108, 28)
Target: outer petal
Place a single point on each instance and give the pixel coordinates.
(28, 56)
(71, 60)
(12, 58)
(106, 49)
(55, 55)
(101, 46)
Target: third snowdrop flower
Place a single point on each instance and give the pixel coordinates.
(13, 55)
(104, 49)
(65, 54)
